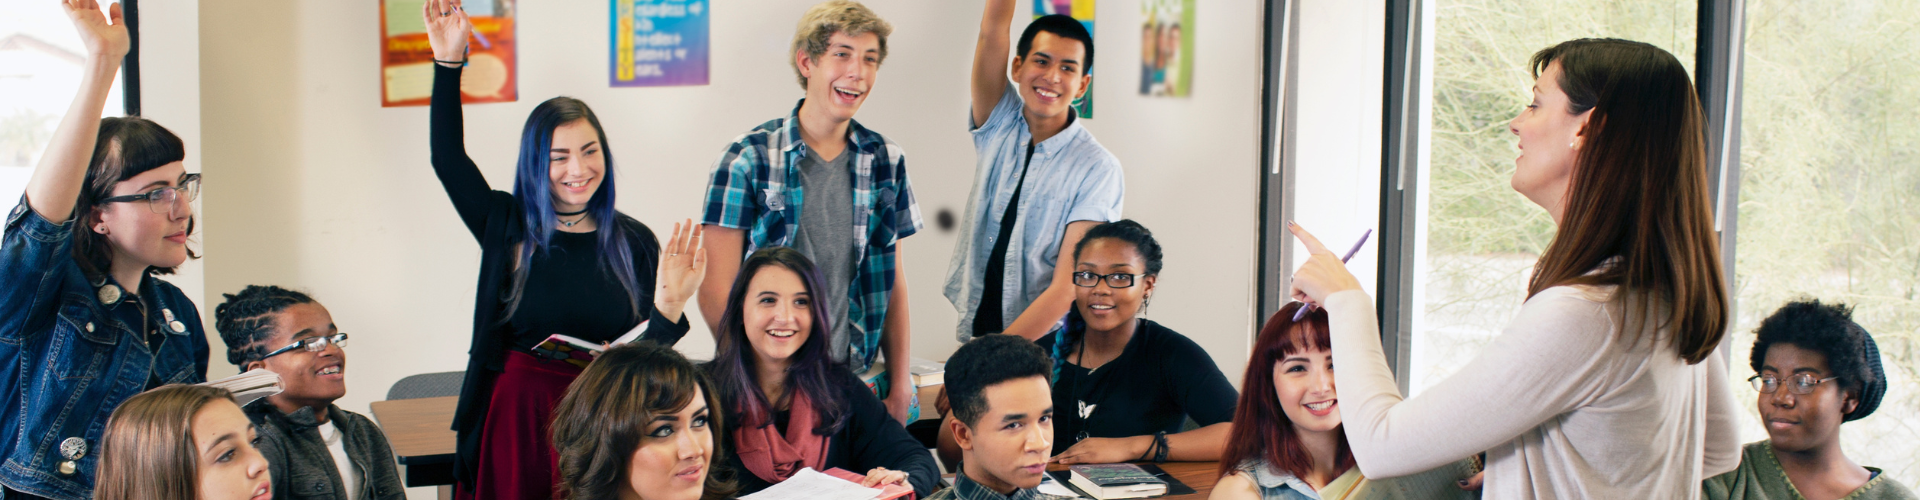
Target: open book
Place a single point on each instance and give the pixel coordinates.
(247, 387)
(581, 352)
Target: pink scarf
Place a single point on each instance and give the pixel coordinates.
(773, 457)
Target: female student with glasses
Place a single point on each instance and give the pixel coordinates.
(85, 322)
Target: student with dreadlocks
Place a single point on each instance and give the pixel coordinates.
(314, 449)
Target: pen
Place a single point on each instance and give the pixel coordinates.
(1302, 312)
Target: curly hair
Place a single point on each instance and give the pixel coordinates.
(987, 361)
(1827, 329)
(246, 319)
(835, 16)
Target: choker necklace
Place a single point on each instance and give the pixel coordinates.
(570, 214)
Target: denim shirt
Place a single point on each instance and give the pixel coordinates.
(69, 360)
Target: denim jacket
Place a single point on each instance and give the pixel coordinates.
(303, 467)
(67, 360)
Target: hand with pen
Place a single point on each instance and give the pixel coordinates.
(1324, 273)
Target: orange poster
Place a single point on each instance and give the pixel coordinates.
(406, 61)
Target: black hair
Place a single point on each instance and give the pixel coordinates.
(813, 369)
(245, 320)
(126, 147)
(1063, 26)
(1827, 329)
(1131, 232)
(986, 361)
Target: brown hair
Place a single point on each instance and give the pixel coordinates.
(835, 16)
(1261, 430)
(147, 451)
(126, 147)
(1638, 194)
(606, 412)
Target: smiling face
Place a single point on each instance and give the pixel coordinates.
(1304, 383)
(137, 235)
(778, 314)
(313, 379)
(1549, 141)
(1102, 306)
(671, 462)
(839, 79)
(1007, 448)
(1801, 422)
(223, 443)
(575, 165)
(1049, 77)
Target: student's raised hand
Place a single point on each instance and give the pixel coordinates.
(1323, 274)
(447, 29)
(1104, 450)
(104, 40)
(683, 263)
(881, 476)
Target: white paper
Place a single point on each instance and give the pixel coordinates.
(812, 484)
(1051, 486)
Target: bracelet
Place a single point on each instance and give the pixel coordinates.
(462, 62)
(1160, 447)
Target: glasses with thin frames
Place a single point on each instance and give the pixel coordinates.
(312, 344)
(1799, 383)
(164, 200)
(1085, 279)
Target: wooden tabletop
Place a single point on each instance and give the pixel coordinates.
(1197, 475)
(418, 429)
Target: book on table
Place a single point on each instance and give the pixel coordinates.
(1109, 481)
(580, 352)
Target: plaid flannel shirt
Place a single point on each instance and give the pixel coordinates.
(756, 187)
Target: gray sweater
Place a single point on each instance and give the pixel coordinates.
(303, 468)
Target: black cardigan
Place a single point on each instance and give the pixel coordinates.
(870, 438)
(494, 219)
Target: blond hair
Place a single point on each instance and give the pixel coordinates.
(147, 451)
(835, 16)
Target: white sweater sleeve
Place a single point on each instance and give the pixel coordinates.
(1545, 364)
(1723, 434)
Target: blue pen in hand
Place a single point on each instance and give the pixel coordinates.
(1302, 312)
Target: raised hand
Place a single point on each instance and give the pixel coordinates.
(1323, 274)
(683, 263)
(104, 40)
(448, 29)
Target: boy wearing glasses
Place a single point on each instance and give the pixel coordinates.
(1814, 369)
(314, 449)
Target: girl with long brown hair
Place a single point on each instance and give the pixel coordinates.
(181, 442)
(1606, 384)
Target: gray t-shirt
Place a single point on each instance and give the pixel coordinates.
(826, 236)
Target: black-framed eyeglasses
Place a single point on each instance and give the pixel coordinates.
(162, 200)
(312, 344)
(1798, 383)
(1085, 279)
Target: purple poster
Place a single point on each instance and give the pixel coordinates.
(658, 43)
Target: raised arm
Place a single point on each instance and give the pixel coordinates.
(990, 58)
(1054, 303)
(728, 246)
(447, 32)
(56, 182)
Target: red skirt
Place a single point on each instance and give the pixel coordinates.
(516, 447)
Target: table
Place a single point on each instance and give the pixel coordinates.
(1200, 476)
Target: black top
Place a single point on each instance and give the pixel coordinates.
(991, 316)
(494, 219)
(870, 438)
(1159, 380)
(567, 293)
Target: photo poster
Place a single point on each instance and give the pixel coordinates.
(406, 60)
(1166, 48)
(1082, 10)
(658, 43)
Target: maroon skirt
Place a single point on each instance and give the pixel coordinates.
(516, 448)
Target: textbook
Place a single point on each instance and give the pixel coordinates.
(581, 352)
(249, 386)
(1108, 481)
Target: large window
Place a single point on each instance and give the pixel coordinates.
(1480, 237)
(1830, 194)
(40, 65)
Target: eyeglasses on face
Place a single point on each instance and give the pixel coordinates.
(1798, 383)
(312, 344)
(163, 200)
(1116, 280)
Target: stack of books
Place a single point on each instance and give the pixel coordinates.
(1107, 481)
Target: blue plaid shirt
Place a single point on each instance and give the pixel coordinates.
(756, 187)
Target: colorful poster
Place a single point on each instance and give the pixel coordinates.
(657, 43)
(1166, 48)
(406, 60)
(1082, 10)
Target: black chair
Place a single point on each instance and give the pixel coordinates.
(428, 385)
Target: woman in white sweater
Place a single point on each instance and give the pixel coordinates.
(1607, 384)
